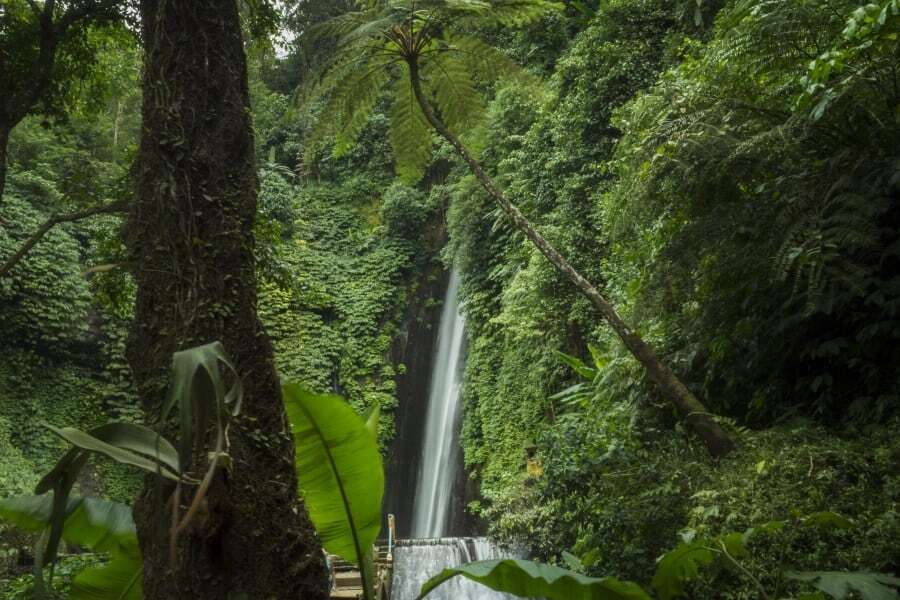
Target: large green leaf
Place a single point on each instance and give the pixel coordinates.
(198, 390)
(840, 584)
(101, 526)
(679, 566)
(339, 471)
(535, 580)
(119, 579)
(122, 442)
(577, 365)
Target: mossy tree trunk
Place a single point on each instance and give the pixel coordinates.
(689, 407)
(190, 238)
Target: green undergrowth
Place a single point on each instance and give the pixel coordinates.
(345, 265)
(621, 510)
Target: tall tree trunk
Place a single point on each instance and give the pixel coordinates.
(691, 409)
(190, 238)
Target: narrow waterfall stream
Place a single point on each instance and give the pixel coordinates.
(418, 559)
(437, 467)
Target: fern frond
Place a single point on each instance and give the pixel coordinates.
(360, 93)
(350, 90)
(508, 13)
(410, 132)
(487, 63)
(452, 90)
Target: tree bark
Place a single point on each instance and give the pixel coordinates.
(40, 232)
(691, 409)
(191, 244)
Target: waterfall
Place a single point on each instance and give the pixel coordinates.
(416, 561)
(437, 467)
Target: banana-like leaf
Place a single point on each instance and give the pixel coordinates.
(339, 471)
(102, 526)
(31, 513)
(530, 579)
(577, 365)
(119, 579)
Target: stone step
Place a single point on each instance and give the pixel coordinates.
(349, 579)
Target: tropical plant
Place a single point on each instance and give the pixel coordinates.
(420, 39)
(201, 396)
(529, 579)
(675, 569)
(341, 477)
(339, 474)
(99, 525)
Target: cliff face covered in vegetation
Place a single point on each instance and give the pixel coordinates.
(729, 171)
(726, 172)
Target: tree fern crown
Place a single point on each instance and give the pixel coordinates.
(382, 40)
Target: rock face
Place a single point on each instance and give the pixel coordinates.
(414, 348)
(417, 348)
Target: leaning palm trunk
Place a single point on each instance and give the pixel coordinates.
(691, 409)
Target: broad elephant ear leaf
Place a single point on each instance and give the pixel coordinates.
(339, 471)
(530, 579)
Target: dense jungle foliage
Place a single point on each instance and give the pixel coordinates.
(726, 171)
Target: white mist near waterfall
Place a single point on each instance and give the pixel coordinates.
(437, 467)
(418, 559)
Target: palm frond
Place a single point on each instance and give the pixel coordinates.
(410, 133)
(349, 91)
(508, 13)
(486, 63)
(452, 90)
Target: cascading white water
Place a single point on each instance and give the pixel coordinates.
(416, 561)
(437, 467)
